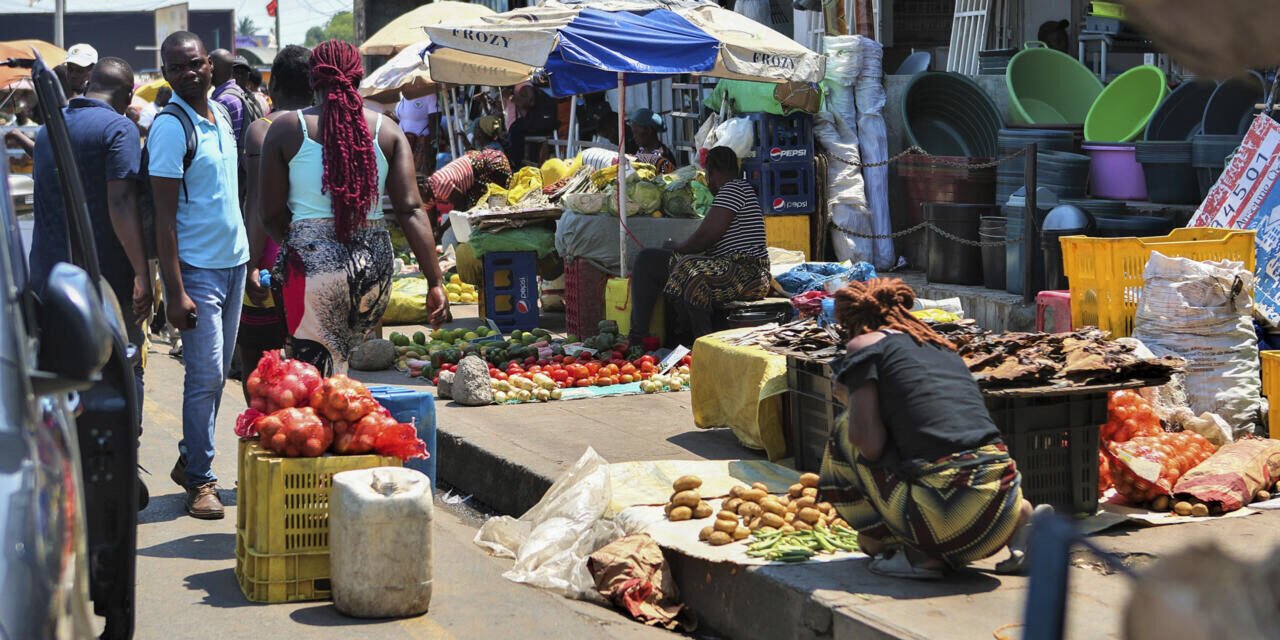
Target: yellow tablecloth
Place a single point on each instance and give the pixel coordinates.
(740, 388)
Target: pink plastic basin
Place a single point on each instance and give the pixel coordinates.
(1114, 172)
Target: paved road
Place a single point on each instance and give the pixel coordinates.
(187, 586)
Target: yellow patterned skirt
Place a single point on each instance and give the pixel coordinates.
(960, 508)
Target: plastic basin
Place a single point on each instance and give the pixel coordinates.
(1124, 108)
(1115, 172)
(1049, 87)
(1179, 116)
(1230, 108)
(948, 114)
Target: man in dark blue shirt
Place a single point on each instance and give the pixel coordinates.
(107, 150)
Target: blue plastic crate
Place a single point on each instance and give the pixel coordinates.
(784, 187)
(782, 138)
(511, 289)
(419, 408)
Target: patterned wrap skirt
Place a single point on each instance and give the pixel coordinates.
(960, 508)
(706, 281)
(334, 292)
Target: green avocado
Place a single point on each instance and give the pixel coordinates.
(419, 337)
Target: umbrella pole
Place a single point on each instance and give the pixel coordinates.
(573, 127)
(622, 174)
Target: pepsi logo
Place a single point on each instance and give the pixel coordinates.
(522, 306)
(779, 203)
(778, 153)
(775, 153)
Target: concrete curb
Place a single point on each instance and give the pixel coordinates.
(734, 601)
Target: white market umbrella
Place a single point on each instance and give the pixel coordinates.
(663, 38)
(406, 74)
(407, 29)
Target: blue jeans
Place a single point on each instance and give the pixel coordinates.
(206, 352)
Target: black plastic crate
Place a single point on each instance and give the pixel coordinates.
(813, 409)
(782, 138)
(1054, 441)
(784, 187)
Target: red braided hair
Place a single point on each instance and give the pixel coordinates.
(883, 303)
(350, 167)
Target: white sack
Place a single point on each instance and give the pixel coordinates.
(1203, 312)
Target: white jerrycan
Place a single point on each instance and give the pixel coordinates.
(380, 542)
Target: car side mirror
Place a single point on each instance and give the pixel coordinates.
(75, 339)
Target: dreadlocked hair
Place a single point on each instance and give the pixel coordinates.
(884, 303)
(350, 167)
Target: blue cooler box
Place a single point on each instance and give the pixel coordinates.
(418, 408)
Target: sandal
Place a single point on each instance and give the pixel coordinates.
(897, 565)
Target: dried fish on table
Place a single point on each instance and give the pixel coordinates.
(1080, 358)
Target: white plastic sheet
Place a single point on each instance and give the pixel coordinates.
(1203, 312)
(551, 541)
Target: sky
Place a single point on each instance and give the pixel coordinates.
(296, 16)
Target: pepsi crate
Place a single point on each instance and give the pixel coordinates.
(784, 187)
(782, 138)
(511, 289)
(416, 407)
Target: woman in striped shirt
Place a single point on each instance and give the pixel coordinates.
(725, 259)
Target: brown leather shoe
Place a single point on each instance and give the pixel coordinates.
(203, 502)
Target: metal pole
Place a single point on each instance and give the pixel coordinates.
(279, 37)
(622, 174)
(441, 98)
(59, 13)
(573, 127)
(1031, 257)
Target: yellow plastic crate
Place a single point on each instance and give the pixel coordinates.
(285, 501)
(289, 577)
(1106, 273)
(246, 449)
(1271, 390)
(788, 232)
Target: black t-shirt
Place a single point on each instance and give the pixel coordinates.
(929, 403)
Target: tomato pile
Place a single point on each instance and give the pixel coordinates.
(569, 372)
(296, 413)
(1147, 467)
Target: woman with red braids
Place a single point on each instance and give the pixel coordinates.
(323, 174)
(916, 465)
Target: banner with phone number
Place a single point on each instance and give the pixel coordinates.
(1245, 198)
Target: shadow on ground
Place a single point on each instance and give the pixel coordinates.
(200, 546)
(714, 444)
(325, 615)
(220, 589)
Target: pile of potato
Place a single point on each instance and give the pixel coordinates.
(686, 503)
(753, 508)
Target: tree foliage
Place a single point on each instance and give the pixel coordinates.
(340, 27)
(247, 27)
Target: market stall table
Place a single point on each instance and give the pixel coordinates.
(591, 237)
(740, 387)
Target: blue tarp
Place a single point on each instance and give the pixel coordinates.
(597, 45)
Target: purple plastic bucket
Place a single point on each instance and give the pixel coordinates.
(1115, 172)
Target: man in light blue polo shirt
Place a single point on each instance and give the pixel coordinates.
(203, 249)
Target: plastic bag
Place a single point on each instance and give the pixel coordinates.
(737, 134)
(1203, 312)
(525, 182)
(540, 240)
(552, 541)
(1234, 474)
(408, 304)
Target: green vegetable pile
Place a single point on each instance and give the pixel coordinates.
(798, 546)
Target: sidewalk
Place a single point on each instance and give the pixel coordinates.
(506, 457)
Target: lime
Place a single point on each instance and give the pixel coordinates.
(470, 335)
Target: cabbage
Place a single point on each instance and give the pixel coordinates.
(678, 202)
(586, 203)
(702, 198)
(647, 196)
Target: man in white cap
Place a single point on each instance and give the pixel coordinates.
(81, 59)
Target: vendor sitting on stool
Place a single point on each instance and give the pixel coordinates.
(725, 259)
(916, 465)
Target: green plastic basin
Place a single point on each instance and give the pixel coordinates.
(1124, 108)
(1049, 87)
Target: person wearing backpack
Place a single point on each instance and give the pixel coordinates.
(231, 93)
(202, 249)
